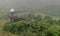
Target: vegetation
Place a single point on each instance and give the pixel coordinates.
(34, 25)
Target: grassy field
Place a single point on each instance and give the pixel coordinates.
(2, 33)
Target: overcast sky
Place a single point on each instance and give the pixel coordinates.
(24, 4)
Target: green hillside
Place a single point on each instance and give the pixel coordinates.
(34, 26)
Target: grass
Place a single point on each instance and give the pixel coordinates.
(2, 33)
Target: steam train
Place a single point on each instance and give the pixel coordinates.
(13, 17)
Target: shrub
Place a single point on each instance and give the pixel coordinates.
(38, 25)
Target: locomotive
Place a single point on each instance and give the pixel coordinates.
(13, 17)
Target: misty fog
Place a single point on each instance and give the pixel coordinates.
(24, 4)
(20, 5)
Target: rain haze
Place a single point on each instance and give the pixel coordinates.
(49, 7)
(29, 17)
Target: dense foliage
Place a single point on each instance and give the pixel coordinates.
(34, 25)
